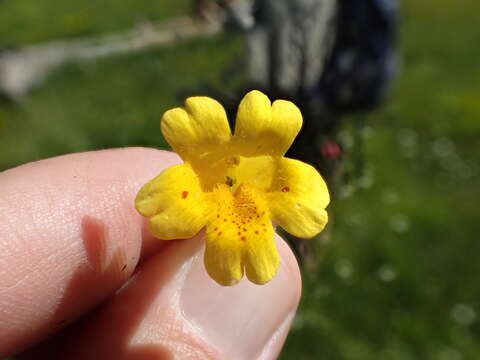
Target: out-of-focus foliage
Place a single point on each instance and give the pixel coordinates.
(111, 102)
(29, 21)
(398, 280)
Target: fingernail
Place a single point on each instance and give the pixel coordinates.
(240, 320)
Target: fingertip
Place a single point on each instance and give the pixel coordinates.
(292, 267)
(172, 303)
(71, 236)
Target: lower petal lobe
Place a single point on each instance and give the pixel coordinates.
(240, 236)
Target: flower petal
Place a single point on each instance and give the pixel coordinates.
(176, 202)
(298, 198)
(265, 129)
(240, 234)
(224, 246)
(198, 130)
(223, 256)
(255, 171)
(261, 255)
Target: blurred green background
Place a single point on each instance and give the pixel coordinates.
(398, 280)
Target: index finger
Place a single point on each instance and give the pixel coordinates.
(70, 236)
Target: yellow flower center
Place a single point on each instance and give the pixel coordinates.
(234, 170)
(239, 215)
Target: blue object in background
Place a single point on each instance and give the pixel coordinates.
(363, 60)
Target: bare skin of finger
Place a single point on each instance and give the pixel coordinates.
(70, 237)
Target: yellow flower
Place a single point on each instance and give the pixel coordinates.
(235, 185)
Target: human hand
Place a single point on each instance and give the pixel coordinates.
(70, 238)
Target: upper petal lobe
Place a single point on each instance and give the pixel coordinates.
(265, 129)
(197, 130)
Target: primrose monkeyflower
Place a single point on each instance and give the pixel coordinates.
(235, 186)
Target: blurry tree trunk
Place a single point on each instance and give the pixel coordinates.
(288, 48)
(289, 43)
(23, 68)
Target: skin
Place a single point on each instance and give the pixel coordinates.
(81, 277)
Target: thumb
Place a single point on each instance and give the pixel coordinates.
(171, 309)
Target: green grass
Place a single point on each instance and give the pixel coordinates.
(112, 102)
(398, 280)
(28, 21)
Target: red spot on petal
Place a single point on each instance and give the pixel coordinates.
(256, 232)
(285, 189)
(243, 238)
(219, 233)
(184, 194)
